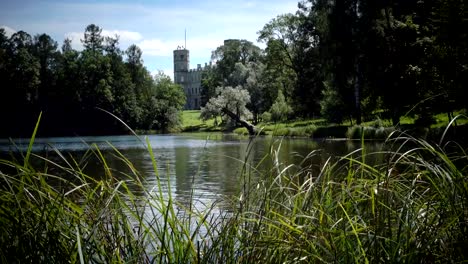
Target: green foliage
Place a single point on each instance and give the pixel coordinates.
(93, 41)
(266, 116)
(307, 131)
(233, 51)
(167, 102)
(291, 63)
(37, 77)
(352, 58)
(241, 131)
(332, 105)
(280, 110)
(238, 63)
(369, 132)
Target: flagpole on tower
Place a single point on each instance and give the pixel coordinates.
(185, 38)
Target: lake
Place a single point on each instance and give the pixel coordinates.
(204, 166)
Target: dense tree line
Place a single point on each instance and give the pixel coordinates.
(72, 88)
(351, 60)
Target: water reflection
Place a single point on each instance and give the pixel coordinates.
(196, 169)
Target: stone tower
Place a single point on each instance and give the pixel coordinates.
(189, 79)
(181, 65)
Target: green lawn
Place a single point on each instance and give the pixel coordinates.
(317, 128)
(191, 122)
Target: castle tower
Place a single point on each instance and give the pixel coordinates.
(181, 65)
(189, 79)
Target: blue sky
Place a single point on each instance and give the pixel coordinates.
(157, 26)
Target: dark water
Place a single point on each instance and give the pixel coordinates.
(203, 166)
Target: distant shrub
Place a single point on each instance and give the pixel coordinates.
(369, 132)
(280, 110)
(281, 132)
(330, 132)
(310, 129)
(354, 132)
(299, 132)
(241, 131)
(377, 123)
(266, 116)
(332, 105)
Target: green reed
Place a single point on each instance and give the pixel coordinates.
(412, 207)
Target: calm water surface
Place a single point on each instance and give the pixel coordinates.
(207, 164)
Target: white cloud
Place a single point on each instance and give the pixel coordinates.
(125, 37)
(76, 39)
(156, 47)
(199, 47)
(168, 72)
(8, 31)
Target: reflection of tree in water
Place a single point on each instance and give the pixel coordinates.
(306, 157)
(184, 174)
(119, 168)
(214, 173)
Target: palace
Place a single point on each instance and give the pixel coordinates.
(189, 79)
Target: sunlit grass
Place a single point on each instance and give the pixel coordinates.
(191, 122)
(441, 120)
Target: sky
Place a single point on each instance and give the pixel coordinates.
(156, 26)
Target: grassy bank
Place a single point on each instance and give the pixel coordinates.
(412, 208)
(191, 122)
(319, 128)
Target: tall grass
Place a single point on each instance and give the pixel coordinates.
(69, 216)
(412, 207)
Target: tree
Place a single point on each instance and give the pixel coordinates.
(111, 45)
(292, 61)
(231, 58)
(66, 46)
(249, 76)
(125, 104)
(280, 110)
(20, 84)
(163, 108)
(93, 40)
(134, 54)
(232, 52)
(35, 77)
(231, 105)
(332, 105)
(209, 82)
(45, 49)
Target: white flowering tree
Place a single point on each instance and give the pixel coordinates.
(230, 103)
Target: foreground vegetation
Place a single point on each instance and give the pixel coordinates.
(410, 207)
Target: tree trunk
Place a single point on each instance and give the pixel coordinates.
(251, 128)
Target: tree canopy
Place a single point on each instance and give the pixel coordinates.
(72, 87)
(352, 60)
